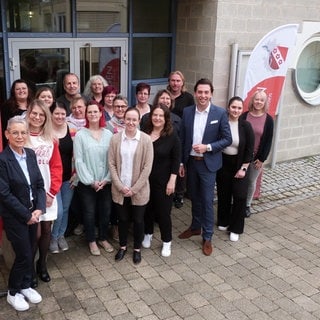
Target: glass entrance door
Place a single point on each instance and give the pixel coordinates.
(109, 60)
(45, 61)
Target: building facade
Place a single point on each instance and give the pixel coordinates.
(207, 33)
(129, 41)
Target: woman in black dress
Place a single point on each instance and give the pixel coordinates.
(166, 146)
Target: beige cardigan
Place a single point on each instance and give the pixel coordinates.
(143, 159)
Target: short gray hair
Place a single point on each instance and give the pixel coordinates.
(17, 119)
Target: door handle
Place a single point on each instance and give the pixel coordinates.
(12, 64)
(124, 59)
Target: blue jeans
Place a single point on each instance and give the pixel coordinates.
(201, 184)
(64, 198)
(253, 175)
(95, 206)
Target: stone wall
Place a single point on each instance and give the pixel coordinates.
(206, 30)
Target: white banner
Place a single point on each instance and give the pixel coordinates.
(268, 64)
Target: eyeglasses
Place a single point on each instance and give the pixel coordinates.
(16, 134)
(36, 114)
(121, 107)
(143, 93)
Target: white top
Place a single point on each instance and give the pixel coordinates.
(127, 151)
(43, 150)
(199, 125)
(233, 148)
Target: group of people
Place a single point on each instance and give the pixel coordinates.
(92, 156)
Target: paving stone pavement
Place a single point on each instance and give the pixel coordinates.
(273, 272)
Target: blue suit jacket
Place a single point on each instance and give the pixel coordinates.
(217, 133)
(15, 189)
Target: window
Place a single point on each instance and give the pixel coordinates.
(151, 58)
(102, 16)
(151, 16)
(38, 16)
(307, 73)
(152, 39)
(44, 67)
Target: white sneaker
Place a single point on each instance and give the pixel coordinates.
(32, 295)
(146, 243)
(234, 237)
(63, 244)
(166, 249)
(18, 302)
(53, 247)
(222, 228)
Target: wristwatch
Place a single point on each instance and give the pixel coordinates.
(209, 147)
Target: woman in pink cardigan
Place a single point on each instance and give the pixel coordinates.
(130, 161)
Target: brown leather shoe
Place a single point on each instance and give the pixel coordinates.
(207, 247)
(189, 233)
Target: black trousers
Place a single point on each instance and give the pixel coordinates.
(23, 239)
(232, 195)
(128, 213)
(159, 210)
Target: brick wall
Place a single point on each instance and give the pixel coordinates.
(206, 29)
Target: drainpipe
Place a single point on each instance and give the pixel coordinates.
(233, 70)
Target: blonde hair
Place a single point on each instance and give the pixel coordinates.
(266, 103)
(46, 130)
(180, 74)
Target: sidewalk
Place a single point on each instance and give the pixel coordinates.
(273, 272)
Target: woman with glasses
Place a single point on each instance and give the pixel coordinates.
(142, 96)
(116, 123)
(42, 141)
(22, 203)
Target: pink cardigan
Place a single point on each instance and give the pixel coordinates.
(143, 159)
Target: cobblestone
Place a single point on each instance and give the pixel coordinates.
(273, 272)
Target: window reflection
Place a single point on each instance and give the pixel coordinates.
(307, 72)
(102, 16)
(151, 58)
(38, 16)
(104, 61)
(44, 67)
(308, 68)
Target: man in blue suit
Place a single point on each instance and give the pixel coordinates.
(204, 133)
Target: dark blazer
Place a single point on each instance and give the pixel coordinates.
(246, 143)
(217, 133)
(14, 187)
(266, 138)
